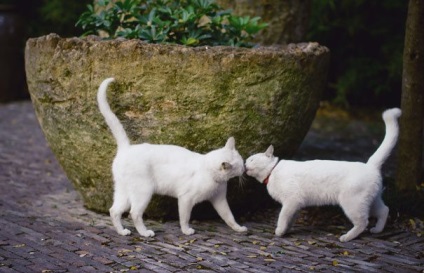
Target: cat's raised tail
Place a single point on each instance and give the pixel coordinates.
(390, 118)
(112, 121)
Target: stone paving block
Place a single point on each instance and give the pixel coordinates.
(413, 241)
(17, 261)
(364, 268)
(32, 246)
(157, 267)
(143, 270)
(209, 265)
(173, 260)
(94, 236)
(219, 260)
(238, 263)
(103, 260)
(362, 263)
(402, 269)
(20, 250)
(88, 269)
(42, 266)
(5, 269)
(171, 249)
(71, 259)
(66, 246)
(150, 250)
(19, 268)
(406, 260)
(259, 267)
(7, 255)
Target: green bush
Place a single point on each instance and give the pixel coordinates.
(187, 22)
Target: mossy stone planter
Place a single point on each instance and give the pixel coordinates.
(192, 97)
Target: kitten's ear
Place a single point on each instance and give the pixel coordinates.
(226, 166)
(231, 143)
(270, 151)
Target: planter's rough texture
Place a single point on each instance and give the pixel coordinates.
(192, 97)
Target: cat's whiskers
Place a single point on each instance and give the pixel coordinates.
(242, 181)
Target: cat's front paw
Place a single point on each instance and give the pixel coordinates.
(376, 230)
(148, 233)
(344, 238)
(279, 231)
(240, 229)
(124, 232)
(188, 231)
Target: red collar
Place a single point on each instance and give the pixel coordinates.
(266, 180)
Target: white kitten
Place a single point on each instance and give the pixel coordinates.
(355, 186)
(139, 171)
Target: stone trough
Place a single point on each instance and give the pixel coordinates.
(171, 94)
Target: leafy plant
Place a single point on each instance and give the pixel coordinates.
(187, 22)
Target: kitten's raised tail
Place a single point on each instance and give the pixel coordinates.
(112, 121)
(392, 131)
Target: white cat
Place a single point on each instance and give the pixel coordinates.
(355, 186)
(139, 171)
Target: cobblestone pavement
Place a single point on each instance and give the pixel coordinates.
(45, 228)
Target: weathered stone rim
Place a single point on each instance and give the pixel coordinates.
(308, 48)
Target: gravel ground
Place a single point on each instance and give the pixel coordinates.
(45, 228)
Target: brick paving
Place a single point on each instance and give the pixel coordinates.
(45, 228)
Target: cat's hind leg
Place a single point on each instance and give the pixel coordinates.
(140, 199)
(381, 212)
(120, 205)
(358, 215)
(185, 205)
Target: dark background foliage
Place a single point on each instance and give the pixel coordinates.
(366, 41)
(365, 38)
(47, 16)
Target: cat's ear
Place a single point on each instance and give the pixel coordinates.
(226, 166)
(270, 151)
(231, 143)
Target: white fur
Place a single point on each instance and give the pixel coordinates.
(355, 186)
(139, 171)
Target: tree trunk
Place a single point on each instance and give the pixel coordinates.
(410, 151)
